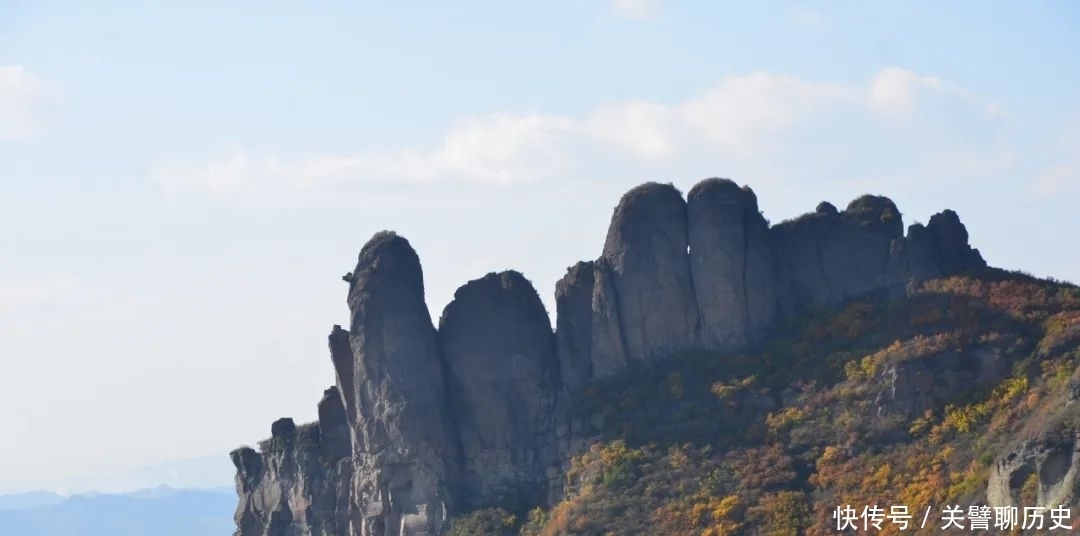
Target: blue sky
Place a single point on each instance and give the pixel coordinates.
(182, 187)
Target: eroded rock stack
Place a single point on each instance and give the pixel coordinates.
(298, 481)
(424, 423)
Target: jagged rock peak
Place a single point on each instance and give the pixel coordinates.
(573, 325)
(334, 432)
(950, 238)
(249, 468)
(283, 427)
(401, 436)
(424, 423)
(341, 355)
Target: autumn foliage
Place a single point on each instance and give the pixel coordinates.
(771, 440)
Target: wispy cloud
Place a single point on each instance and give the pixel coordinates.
(756, 119)
(28, 103)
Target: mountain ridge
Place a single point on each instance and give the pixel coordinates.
(163, 511)
(427, 423)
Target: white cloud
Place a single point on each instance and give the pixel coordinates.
(488, 149)
(898, 119)
(27, 103)
(897, 92)
(745, 113)
(642, 128)
(637, 9)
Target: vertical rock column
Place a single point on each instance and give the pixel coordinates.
(653, 300)
(496, 340)
(402, 443)
(731, 262)
(573, 331)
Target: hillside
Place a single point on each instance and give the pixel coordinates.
(710, 373)
(960, 394)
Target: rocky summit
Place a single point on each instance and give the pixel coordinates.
(428, 422)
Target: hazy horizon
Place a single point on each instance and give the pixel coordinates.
(182, 187)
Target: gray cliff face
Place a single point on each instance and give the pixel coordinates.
(499, 350)
(949, 239)
(650, 272)
(298, 481)
(607, 351)
(403, 443)
(827, 257)
(914, 386)
(731, 261)
(573, 325)
(426, 423)
(1053, 459)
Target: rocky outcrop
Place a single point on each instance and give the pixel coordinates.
(646, 249)
(827, 256)
(403, 443)
(424, 423)
(573, 325)
(1052, 460)
(731, 260)
(937, 249)
(911, 386)
(607, 351)
(949, 239)
(499, 350)
(298, 480)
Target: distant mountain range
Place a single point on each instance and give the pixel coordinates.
(161, 511)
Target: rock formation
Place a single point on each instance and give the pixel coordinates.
(646, 249)
(426, 423)
(1052, 459)
(496, 341)
(298, 481)
(732, 263)
(402, 443)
